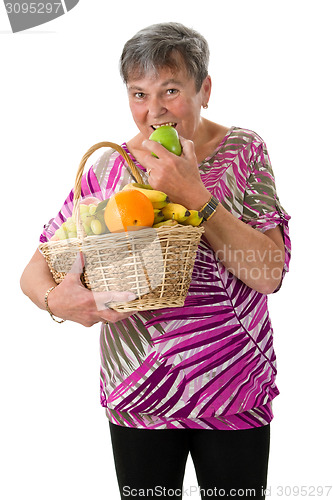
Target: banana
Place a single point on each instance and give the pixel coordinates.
(160, 204)
(158, 215)
(175, 211)
(152, 194)
(194, 219)
(137, 185)
(169, 222)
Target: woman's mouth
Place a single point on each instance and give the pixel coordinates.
(158, 125)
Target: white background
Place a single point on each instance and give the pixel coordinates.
(61, 93)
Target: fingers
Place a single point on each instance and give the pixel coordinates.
(187, 147)
(110, 316)
(104, 298)
(154, 147)
(77, 267)
(105, 312)
(73, 301)
(106, 315)
(145, 157)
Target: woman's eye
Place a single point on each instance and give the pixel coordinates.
(139, 95)
(172, 91)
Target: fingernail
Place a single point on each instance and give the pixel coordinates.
(131, 296)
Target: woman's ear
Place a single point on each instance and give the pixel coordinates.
(206, 89)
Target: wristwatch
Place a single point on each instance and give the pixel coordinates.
(209, 209)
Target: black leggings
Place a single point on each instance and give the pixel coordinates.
(151, 463)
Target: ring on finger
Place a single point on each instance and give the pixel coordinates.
(148, 172)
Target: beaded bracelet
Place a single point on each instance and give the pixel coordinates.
(47, 305)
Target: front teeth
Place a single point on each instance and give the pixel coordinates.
(170, 124)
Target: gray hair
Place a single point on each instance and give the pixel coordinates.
(159, 46)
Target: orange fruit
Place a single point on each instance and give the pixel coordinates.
(128, 211)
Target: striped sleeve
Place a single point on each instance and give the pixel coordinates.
(261, 206)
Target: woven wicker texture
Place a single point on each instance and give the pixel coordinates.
(155, 264)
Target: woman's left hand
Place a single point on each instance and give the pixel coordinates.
(177, 176)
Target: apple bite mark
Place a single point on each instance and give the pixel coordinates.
(168, 124)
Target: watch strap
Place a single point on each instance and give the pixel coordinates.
(208, 210)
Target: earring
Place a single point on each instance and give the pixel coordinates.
(205, 106)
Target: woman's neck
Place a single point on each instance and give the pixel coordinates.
(208, 139)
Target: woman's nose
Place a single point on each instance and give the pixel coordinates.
(156, 107)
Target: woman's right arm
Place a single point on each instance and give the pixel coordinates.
(70, 299)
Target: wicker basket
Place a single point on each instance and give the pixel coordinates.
(155, 264)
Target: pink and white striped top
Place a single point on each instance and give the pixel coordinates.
(211, 363)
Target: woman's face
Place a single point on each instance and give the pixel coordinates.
(168, 98)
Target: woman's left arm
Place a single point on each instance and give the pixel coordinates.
(255, 258)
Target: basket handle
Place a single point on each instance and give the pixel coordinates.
(77, 186)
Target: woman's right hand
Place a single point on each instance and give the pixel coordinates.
(71, 300)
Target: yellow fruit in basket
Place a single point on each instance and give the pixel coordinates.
(160, 204)
(70, 227)
(69, 221)
(128, 210)
(72, 234)
(84, 209)
(158, 215)
(60, 233)
(166, 223)
(92, 217)
(97, 226)
(152, 194)
(66, 230)
(87, 229)
(87, 218)
(175, 211)
(194, 219)
(92, 208)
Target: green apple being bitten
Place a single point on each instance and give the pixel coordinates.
(168, 137)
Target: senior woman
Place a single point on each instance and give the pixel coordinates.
(198, 379)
